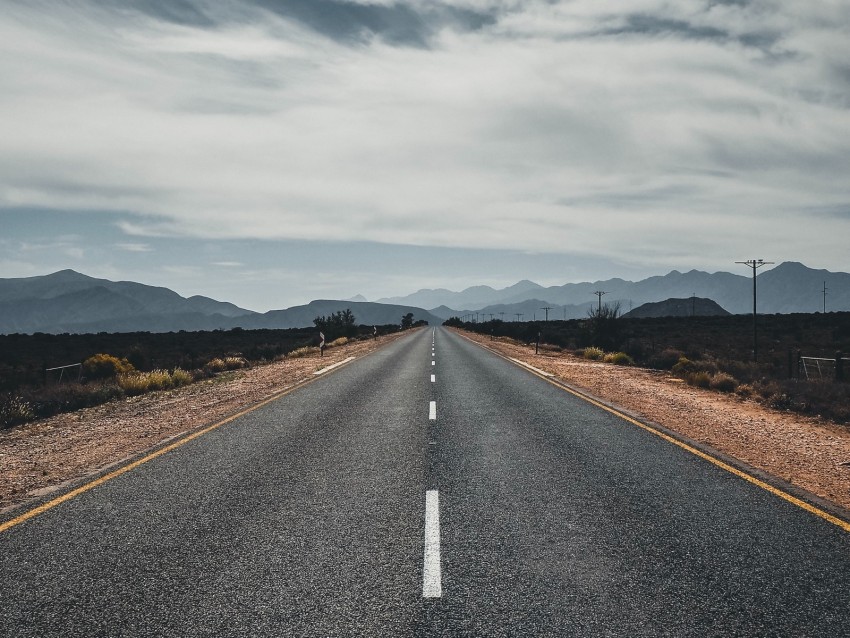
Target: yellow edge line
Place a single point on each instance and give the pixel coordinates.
(150, 457)
(711, 459)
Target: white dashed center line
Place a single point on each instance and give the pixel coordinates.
(433, 378)
(432, 585)
(433, 363)
(432, 411)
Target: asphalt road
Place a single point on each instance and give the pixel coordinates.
(546, 516)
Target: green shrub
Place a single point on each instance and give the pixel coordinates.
(234, 363)
(135, 383)
(306, 351)
(745, 390)
(593, 353)
(105, 366)
(619, 358)
(723, 382)
(180, 377)
(666, 359)
(14, 410)
(684, 366)
(215, 365)
(780, 401)
(699, 379)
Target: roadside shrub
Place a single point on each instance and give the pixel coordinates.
(14, 410)
(338, 342)
(142, 382)
(180, 377)
(745, 390)
(593, 353)
(723, 382)
(780, 401)
(699, 379)
(619, 358)
(666, 359)
(215, 365)
(306, 351)
(235, 363)
(105, 366)
(684, 366)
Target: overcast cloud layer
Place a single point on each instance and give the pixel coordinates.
(654, 134)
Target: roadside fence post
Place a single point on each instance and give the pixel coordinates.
(839, 367)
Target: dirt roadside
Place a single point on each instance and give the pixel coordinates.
(809, 453)
(39, 458)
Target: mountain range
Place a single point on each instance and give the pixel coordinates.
(787, 288)
(68, 301)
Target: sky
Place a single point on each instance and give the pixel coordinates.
(271, 152)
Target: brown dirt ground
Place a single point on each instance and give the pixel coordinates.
(40, 457)
(810, 453)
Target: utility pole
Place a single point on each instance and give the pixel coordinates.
(547, 309)
(755, 264)
(501, 316)
(824, 297)
(599, 294)
(518, 316)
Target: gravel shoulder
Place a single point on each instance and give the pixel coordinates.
(809, 453)
(41, 457)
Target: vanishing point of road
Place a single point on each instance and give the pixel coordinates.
(431, 488)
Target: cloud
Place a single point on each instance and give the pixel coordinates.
(666, 131)
(135, 248)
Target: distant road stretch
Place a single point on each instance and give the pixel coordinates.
(431, 488)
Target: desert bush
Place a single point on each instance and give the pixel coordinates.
(780, 401)
(46, 402)
(215, 365)
(14, 410)
(593, 353)
(180, 377)
(105, 366)
(684, 366)
(666, 359)
(135, 383)
(235, 363)
(619, 358)
(745, 390)
(723, 382)
(699, 379)
(338, 342)
(306, 351)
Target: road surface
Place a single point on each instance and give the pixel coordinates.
(431, 488)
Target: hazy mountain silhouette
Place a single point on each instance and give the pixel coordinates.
(68, 301)
(693, 307)
(788, 287)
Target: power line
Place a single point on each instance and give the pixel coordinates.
(599, 294)
(755, 264)
(547, 309)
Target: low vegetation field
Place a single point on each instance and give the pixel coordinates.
(109, 366)
(712, 352)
